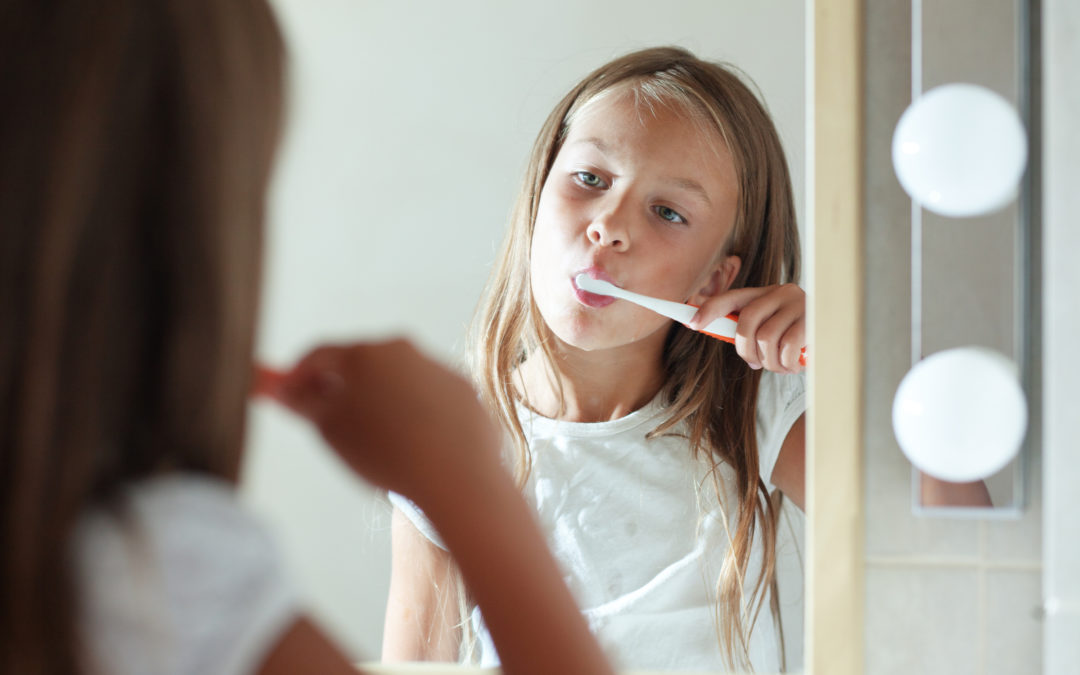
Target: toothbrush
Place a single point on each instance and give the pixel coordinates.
(721, 329)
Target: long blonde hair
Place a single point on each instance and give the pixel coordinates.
(138, 141)
(710, 392)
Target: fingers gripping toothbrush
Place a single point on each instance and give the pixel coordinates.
(722, 328)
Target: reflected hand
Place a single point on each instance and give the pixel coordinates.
(771, 331)
(395, 416)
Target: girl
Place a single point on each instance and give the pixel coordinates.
(138, 139)
(646, 448)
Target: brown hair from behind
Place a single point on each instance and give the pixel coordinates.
(709, 389)
(138, 139)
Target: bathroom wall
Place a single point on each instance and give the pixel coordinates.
(1061, 309)
(942, 595)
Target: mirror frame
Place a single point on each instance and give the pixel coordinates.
(834, 465)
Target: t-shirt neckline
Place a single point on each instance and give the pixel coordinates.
(537, 424)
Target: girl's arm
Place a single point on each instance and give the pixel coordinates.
(789, 476)
(410, 425)
(422, 614)
(936, 492)
(789, 472)
(504, 559)
(770, 334)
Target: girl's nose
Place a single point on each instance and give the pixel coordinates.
(607, 232)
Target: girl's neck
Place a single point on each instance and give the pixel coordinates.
(597, 386)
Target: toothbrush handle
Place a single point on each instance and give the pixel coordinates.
(724, 329)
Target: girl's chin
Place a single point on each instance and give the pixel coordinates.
(578, 337)
(591, 330)
(600, 340)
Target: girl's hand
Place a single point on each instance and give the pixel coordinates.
(398, 418)
(771, 331)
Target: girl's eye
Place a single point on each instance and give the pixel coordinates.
(669, 214)
(590, 179)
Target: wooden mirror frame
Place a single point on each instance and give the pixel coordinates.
(834, 463)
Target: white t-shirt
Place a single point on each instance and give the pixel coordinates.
(181, 580)
(639, 551)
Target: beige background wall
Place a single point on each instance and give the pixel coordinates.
(409, 128)
(942, 596)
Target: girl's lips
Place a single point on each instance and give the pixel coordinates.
(592, 299)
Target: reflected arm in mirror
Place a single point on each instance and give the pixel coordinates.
(789, 472)
(422, 615)
(936, 492)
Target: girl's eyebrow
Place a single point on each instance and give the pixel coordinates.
(594, 141)
(687, 184)
(692, 186)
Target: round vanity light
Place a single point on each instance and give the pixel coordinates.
(960, 150)
(960, 415)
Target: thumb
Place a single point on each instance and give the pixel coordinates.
(309, 389)
(723, 304)
(266, 381)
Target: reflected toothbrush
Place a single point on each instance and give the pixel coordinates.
(721, 329)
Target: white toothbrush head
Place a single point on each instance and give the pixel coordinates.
(597, 286)
(673, 310)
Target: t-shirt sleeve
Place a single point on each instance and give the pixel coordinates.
(181, 580)
(417, 518)
(781, 400)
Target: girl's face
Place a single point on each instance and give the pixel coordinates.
(639, 198)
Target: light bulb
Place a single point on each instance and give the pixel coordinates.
(960, 414)
(960, 150)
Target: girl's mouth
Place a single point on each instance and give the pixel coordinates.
(592, 299)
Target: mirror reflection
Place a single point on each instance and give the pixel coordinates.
(409, 156)
(973, 282)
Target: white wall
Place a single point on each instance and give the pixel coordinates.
(409, 127)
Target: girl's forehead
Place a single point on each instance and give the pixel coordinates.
(660, 147)
(627, 112)
(624, 126)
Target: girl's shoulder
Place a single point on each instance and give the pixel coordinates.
(179, 577)
(781, 401)
(174, 512)
(778, 390)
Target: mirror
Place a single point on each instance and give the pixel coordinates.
(973, 280)
(409, 128)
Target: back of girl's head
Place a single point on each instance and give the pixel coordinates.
(703, 376)
(137, 141)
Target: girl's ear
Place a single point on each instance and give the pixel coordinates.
(719, 280)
